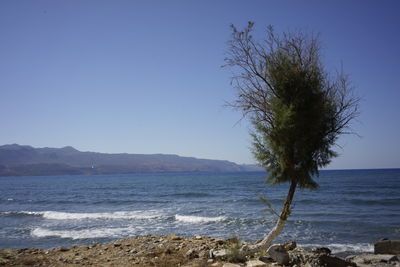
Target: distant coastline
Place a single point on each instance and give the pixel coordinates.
(21, 160)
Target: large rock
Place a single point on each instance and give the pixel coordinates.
(317, 258)
(333, 261)
(279, 254)
(385, 246)
(381, 260)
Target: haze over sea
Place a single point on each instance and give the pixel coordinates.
(349, 212)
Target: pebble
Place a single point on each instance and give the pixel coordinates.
(256, 263)
(175, 237)
(230, 265)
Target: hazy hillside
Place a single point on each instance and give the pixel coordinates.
(17, 160)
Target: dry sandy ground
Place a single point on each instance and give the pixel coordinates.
(160, 251)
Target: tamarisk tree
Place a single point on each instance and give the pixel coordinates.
(297, 109)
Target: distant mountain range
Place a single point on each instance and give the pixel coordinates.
(18, 160)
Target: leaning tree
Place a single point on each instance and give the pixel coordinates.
(297, 109)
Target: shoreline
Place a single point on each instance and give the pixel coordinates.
(168, 250)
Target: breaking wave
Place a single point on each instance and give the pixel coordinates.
(56, 215)
(198, 219)
(339, 248)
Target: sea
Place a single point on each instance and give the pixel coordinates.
(350, 211)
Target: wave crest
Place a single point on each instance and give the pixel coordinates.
(57, 215)
(198, 219)
(339, 248)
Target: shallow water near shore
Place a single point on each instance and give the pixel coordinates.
(348, 213)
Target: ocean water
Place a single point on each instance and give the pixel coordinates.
(349, 212)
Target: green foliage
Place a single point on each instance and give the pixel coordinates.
(296, 109)
(234, 254)
(299, 141)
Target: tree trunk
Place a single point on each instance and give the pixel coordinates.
(267, 241)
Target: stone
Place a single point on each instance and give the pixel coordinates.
(290, 245)
(374, 259)
(322, 250)
(205, 247)
(265, 259)
(220, 254)
(175, 237)
(191, 254)
(255, 263)
(385, 246)
(203, 254)
(230, 265)
(198, 237)
(62, 249)
(333, 261)
(304, 258)
(211, 253)
(79, 259)
(4, 261)
(279, 254)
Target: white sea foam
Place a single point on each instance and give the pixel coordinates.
(198, 219)
(54, 215)
(82, 234)
(338, 248)
(127, 215)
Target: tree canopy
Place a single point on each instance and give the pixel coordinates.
(297, 108)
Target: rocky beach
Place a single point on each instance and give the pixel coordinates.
(173, 250)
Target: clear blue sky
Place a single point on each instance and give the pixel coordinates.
(146, 77)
